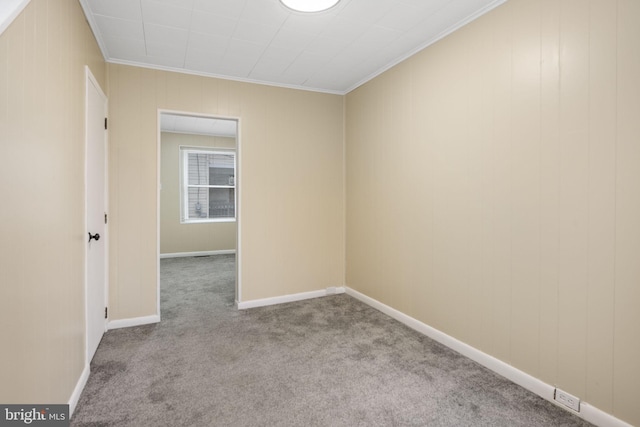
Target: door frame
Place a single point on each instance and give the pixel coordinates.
(91, 80)
(238, 178)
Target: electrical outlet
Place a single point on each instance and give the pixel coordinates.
(567, 400)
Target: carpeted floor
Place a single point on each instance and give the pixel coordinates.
(330, 361)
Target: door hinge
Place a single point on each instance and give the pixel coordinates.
(105, 312)
(105, 123)
(105, 218)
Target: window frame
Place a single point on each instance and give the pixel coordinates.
(184, 183)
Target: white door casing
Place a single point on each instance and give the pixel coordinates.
(96, 214)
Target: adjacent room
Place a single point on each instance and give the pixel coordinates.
(197, 188)
(427, 212)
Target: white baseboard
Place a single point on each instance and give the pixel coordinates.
(135, 321)
(77, 391)
(533, 384)
(289, 298)
(84, 377)
(201, 253)
(599, 417)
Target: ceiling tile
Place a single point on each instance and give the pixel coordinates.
(277, 53)
(304, 66)
(346, 29)
(314, 24)
(203, 60)
(209, 42)
(261, 11)
(168, 122)
(328, 79)
(116, 27)
(209, 23)
(267, 70)
(227, 8)
(165, 14)
(164, 62)
(236, 65)
(291, 39)
(426, 8)
(402, 17)
(166, 51)
(367, 10)
(326, 46)
(165, 35)
(256, 33)
(330, 51)
(185, 4)
(245, 48)
(379, 35)
(185, 122)
(123, 9)
(240, 58)
(362, 50)
(126, 49)
(437, 23)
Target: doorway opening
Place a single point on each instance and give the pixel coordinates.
(198, 196)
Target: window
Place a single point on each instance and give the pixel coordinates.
(208, 185)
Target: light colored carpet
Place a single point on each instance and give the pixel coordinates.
(330, 361)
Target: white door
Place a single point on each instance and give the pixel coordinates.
(96, 199)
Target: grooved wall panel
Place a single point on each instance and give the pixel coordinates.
(43, 53)
(290, 183)
(602, 203)
(516, 215)
(626, 347)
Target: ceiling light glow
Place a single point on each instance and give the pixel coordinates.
(309, 5)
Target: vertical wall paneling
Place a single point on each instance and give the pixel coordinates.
(523, 238)
(626, 379)
(525, 193)
(420, 167)
(43, 55)
(500, 244)
(361, 215)
(15, 131)
(601, 181)
(452, 215)
(478, 124)
(290, 182)
(574, 164)
(399, 114)
(549, 187)
(492, 191)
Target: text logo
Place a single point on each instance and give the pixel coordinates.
(34, 415)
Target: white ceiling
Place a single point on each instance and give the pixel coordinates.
(262, 41)
(9, 10)
(180, 123)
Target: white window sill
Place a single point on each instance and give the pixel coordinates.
(207, 221)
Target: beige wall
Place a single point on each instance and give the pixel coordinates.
(42, 77)
(493, 192)
(492, 187)
(174, 236)
(290, 178)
